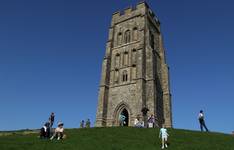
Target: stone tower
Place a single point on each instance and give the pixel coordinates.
(134, 70)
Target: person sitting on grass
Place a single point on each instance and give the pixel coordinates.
(59, 132)
(164, 135)
(45, 131)
(138, 123)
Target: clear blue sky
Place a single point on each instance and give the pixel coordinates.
(51, 54)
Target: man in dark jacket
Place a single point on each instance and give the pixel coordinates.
(51, 119)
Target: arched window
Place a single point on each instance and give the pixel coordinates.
(116, 76)
(135, 34)
(119, 38)
(125, 58)
(134, 56)
(127, 36)
(117, 60)
(125, 76)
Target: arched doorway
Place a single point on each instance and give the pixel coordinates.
(126, 115)
(123, 109)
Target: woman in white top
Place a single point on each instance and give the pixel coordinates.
(58, 132)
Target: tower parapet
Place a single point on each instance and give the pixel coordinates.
(141, 9)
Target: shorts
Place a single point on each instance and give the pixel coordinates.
(164, 138)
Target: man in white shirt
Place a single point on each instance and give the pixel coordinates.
(202, 121)
(164, 135)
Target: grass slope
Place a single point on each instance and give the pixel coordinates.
(119, 139)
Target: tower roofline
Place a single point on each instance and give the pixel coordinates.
(137, 9)
(143, 2)
(131, 9)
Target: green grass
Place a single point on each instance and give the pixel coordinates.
(118, 139)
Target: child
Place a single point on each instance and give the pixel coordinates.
(164, 135)
(58, 132)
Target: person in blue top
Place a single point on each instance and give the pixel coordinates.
(164, 135)
(122, 119)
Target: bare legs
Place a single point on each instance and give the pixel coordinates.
(164, 142)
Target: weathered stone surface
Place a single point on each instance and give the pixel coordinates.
(134, 70)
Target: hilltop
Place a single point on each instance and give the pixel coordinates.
(118, 139)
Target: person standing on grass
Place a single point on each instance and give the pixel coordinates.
(87, 123)
(122, 119)
(164, 135)
(82, 124)
(151, 121)
(51, 119)
(202, 121)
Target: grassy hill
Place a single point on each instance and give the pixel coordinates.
(118, 139)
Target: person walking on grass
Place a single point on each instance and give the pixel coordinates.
(164, 136)
(202, 121)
